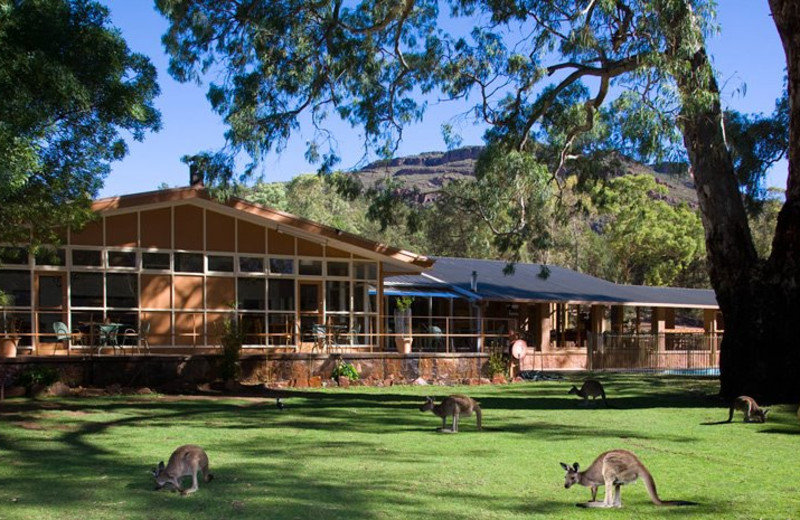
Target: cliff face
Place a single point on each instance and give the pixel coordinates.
(428, 172)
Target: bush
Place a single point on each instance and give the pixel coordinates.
(231, 340)
(498, 364)
(33, 376)
(345, 369)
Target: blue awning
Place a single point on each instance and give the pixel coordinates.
(417, 292)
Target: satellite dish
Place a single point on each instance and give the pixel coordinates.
(519, 349)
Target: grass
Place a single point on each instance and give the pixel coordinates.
(368, 453)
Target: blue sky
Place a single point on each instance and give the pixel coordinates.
(747, 53)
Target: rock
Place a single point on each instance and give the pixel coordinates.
(59, 389)
(344, 381)
(499, 379)
(315, 382)
(419, 381)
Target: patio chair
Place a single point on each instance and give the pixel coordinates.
(64, 334)
(109, 337)
(141, 337)
(319, 334)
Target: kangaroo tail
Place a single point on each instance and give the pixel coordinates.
(650, 484)
(478, 416)
(730, 415)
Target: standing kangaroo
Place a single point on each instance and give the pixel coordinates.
(590, 388)
(184, 461)
(614, 468)
(752, 412)
(455, 405)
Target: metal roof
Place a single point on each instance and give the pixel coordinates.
(561, 285)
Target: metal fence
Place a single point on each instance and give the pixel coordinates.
(671, 351)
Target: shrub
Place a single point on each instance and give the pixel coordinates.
(345, 369)
(231, 340)
(497, 364)
(33, 376)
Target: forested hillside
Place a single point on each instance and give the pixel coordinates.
(634, 225)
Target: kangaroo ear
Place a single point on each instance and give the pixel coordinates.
(161, 466)
(566, 468)
(575, 466)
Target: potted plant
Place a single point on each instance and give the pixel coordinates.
(9, 339)
(402, 324)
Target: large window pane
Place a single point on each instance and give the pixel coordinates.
(17, 284)
(281, 266)
(251, 264)
(338, 269)
(251, 294)
(51, 257)
(337, 296)
(311, 267)
(86, 289)
(122, 290)
(189, 262)
(222, 264)
(122, 259)
(83, 257)
(281, 295)
(365, 270)
(155, 261)
(13, 256)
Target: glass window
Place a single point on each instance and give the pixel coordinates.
(281, 295)
(337, 296)
(251, 264)
(366, 270)
(338, 269)
(83, 257)
(311, 267)
(220, 263)
(121, 259)
(363, 301)
(155, 261)
(13, 256)
(281, 266)
(86, 289)
(17, 284)
(251, 294)
(189, 262)
(122, 290)
(51, 257)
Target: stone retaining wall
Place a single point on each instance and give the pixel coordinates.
(279, 370)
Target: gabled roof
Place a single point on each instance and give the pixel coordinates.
(560, 285)
(269, 217)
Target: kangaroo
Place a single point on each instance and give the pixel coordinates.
(184, 461)
(590, 388)
(752, 412)
(615, 468)
(455, 405)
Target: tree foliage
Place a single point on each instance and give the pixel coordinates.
(70, 84)
(537, 73)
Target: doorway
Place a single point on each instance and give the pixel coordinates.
(311, 313)
(50, 307)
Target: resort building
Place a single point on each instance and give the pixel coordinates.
(160, 272)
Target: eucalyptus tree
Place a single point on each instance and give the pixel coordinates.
(69, 85)
(534, 71)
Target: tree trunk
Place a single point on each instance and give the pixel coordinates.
(759, 353)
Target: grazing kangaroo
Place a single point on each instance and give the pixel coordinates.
(184, 461)
(752, 412)
(590, 388)
(455, 405)
(614, 468)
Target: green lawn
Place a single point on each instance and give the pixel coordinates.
(368, 453)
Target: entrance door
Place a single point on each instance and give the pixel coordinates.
(51, 306)
(310, 312)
